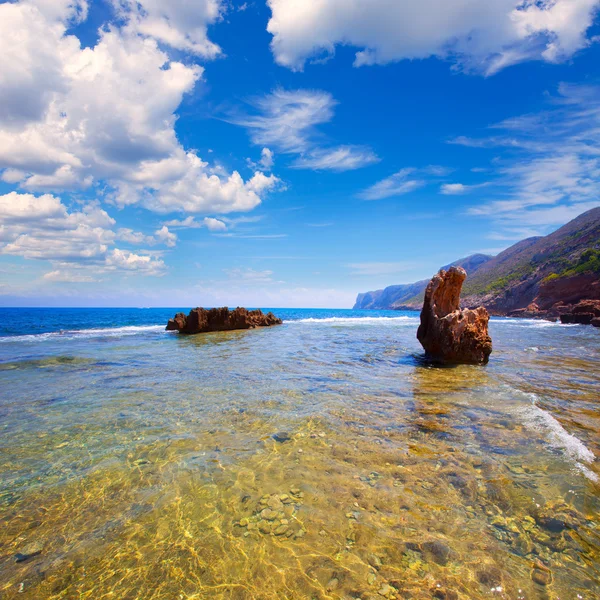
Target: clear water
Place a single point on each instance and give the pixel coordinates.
(319, 459)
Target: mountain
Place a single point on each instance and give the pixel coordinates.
(407, 295)
(532, 277)
(541, 272)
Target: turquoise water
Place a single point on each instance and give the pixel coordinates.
(323, 458)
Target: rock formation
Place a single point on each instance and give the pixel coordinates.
(448, 333)
(201, 320)
(586, 312)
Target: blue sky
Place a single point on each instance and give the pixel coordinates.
(284, 153)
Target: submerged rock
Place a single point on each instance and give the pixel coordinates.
(201, 320)
(448, 333)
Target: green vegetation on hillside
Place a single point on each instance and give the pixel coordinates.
(588, 262)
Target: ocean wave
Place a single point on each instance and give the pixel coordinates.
(359, 320)
(537, 323)
(73, 334)
(541, 421)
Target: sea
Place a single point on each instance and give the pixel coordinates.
(324, 458)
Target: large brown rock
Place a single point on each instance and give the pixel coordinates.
(448, 333)
(583, 313)
(201, 320)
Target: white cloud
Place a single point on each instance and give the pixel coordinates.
(73, 116)
(267, 159)
(63, 276)
(287, 120)
(341, 158)
(42, 228)
(553, 171)
(457, 189)
(403, 182)
(210, 223)
(124, 260)
(214, 224)
(180, 24)
(161, 236)
(454, 189)
(482, 36)
(168, 238)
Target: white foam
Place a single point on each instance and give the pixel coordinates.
(558, 437)
(526, 322)
(84, 333)
(360, 320)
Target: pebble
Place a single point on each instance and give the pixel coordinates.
(281, 530)
(274, 503)
(29, 551)
(384, 590)
(541, 577)
(268, 514)
(375, 561)
(371, 578)
(264, 527)
(282, 436)
(333, 584)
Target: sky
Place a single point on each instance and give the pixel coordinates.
(284, 153)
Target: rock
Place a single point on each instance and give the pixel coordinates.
(29, 551)
(333, 584)
(439, 552)
(541, 577)
(585, 312)
(177, 323)
(201, 320)
(578, 319)
(448, 333)
(282, 437)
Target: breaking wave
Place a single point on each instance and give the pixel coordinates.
(360, 320)
(556, 436)
(85, 333)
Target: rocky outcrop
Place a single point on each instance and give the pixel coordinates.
(586, 312)
(448, 333)
(201, 320)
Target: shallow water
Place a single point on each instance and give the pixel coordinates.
(319, 459)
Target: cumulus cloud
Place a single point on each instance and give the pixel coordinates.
(161, 236)
(42, 228)
(482, 36)
(71, 117)
(288, 120)
(180, 24)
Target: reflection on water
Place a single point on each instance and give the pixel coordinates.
(313, 460)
